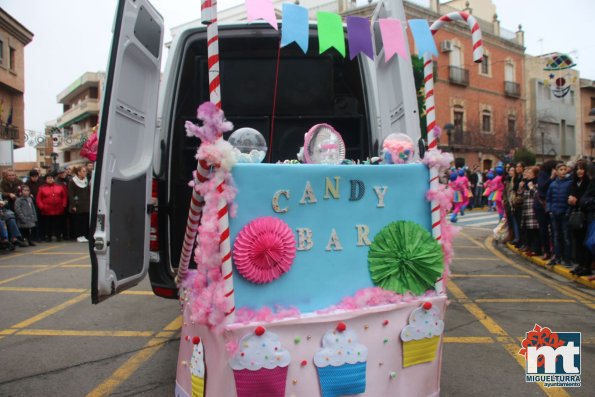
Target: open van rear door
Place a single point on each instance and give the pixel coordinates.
(121, 196)
(396, 101)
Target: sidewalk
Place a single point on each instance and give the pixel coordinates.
(588, 281)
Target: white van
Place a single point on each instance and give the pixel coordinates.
(141, 195)
(141, 199)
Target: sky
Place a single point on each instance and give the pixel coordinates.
(72, 37)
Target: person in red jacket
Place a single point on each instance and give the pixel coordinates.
(51, 200)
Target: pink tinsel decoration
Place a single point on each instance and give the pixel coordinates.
(444, 198)
(264, 250)
(437, 158)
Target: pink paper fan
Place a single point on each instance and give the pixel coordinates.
(264, 250)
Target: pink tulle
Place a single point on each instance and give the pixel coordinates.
(264, 250)
(437, 158)
(89, 149)
(444, 197)
(265, 314)
(373, 296)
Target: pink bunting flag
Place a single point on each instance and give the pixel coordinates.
(393, 39)
(262, 9)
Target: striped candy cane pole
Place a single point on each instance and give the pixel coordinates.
(194, 215)
(225, 250)
(431, 108)
(462, 16)
(210, 10)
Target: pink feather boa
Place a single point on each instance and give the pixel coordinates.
(444, 197)
(438, 158)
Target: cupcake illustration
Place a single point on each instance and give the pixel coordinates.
(341, 363)
(422, 335)
(260, 365)
(197, 368)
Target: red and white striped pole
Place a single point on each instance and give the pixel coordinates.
(431, 106)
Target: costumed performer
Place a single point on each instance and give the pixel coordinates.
(458, 199)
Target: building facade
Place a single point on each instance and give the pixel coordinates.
(553, 124)
(81, 103)
(480, 107)
(13, 39)
(587, 116)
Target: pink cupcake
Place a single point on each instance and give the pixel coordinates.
(260, 365)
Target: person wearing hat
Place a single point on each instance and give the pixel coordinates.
(52, 201)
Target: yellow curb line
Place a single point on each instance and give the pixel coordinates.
(509, 344)
(126, 370)
(558, 269)
(66, 332)
(489, 276)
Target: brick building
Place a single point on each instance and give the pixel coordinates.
(480, 107)
(13, 39)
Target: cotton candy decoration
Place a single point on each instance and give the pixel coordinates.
(438, 158)
(323, 145)
(264, 250)
(444, 197)
(397, 148)
(249, 145)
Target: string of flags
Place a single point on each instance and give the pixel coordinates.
(295, 28)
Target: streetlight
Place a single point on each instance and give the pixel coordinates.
(54, 157)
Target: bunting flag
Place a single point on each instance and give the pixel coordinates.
(262, 9)
(359, 37)
(391, 31)
(424, 41)
(295, 26)
(330, 32)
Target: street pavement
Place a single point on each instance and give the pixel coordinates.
(54, 342)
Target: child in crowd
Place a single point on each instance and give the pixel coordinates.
(25, 213)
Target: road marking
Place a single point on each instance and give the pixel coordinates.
(126, 370)
(53, 310)
(147, 293)
(23, 266)
(489, 276)
(525, 300)
(578, 296)
(40, 289)
(67, 332)
(459, 258)
(501, 336)
(8, 280)
(87, 266)
(471, 239)
(60, 253)
(467, 339)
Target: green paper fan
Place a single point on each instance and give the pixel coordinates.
(405, 257)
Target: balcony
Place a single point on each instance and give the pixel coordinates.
(86, 108)
(458, 75)
(512, 89)
(9, 132)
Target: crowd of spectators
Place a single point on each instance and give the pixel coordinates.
(547, 208)
(52, 207)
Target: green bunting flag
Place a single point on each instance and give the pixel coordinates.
(330, 32)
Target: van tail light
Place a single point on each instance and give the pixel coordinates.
(170, 293)
(153, 233)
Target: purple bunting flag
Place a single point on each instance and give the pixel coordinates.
(359, 37)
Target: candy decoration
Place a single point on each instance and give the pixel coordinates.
(209, 17)
(196, 340)
(431, 109)
(427, 305)
(260, 330)
(264, 250)
(341, 327)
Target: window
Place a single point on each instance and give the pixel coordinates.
(511, 125)
(509, 72)
(1, 52)
(458, 120)
(11, 60)
(485, 65)
(486, 121)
